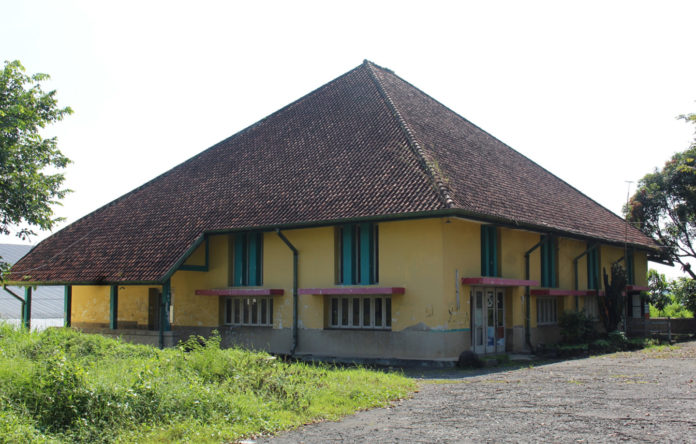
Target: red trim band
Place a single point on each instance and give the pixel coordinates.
(241, 292)
(352, 290)
(499, 282)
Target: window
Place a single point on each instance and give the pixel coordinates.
(636, 306)
(549, 262)
(593, 268)
(254, 311)
(360, 312)
(591, 309)
(547, 311)
(247, 251)
(489, 250)
(630, 268)
(357, 254)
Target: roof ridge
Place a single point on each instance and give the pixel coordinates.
(443, 190)
(503, 143)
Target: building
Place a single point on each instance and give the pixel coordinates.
(363, 220)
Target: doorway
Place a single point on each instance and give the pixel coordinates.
(488, 320)
(153, 309)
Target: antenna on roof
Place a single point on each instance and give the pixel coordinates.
(628, 194)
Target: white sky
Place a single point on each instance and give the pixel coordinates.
(587, 89)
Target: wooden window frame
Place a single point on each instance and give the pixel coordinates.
(342, 311)
(547, 311)
(549, 262)
(357, 254)
(489, 251)
(238, 311)
(247, 259)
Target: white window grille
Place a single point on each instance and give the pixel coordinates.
(547, 311)
(251, 311)
(360, 312)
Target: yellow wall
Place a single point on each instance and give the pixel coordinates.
(190, 309)
(411, 256)
(426, 256)
(90, 304)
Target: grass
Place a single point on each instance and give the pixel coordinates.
(60, 385)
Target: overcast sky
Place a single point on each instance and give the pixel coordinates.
(589, 90)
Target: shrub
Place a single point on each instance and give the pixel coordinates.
(469, 359)
(576, 327)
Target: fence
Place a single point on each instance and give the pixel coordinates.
(663, 327)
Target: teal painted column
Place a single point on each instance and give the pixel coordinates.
(166, 304)
(113, 307)
(165, 301)
(26, 315)
(67, 306)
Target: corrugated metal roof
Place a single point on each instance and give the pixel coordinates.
(46, 302)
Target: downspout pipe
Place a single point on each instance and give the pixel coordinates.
(20, 299)
(575, 271)
(527, 304)
(294, 289)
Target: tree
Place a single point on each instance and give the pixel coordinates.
(684, 291)
(612, 305)
(29, 179)
(658, 294)
(664, 205)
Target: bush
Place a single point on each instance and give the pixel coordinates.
(469, 359)
(576, 327)
(60, 385)
(600, 346)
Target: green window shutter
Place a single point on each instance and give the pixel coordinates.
(489, 250)
(254, 245)
(366, 254)
(593, 269)
(630, 267)
(347, 251)
(548, 255)
(240, 258)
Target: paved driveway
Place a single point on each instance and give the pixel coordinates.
(643, 396)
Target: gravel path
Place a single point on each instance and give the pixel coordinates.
(642, 396)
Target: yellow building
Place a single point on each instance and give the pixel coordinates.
(364, 220)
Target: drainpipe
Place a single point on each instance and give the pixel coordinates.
(294, 289)
(20, 299)
(575, 270)
(527, 307)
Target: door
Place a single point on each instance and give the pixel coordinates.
(488, 335)
(153, 309)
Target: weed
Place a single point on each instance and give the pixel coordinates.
(63, 386)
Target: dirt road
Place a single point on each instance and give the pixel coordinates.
(642, 396)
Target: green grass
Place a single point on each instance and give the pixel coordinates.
(64, 386)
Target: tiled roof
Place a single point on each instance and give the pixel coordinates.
(366, 144)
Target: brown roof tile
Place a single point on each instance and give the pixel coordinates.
(366, 144)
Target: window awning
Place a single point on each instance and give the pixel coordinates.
(636, 288)
(560, 292)
(241, 292)
(499, 282)
(352, 290)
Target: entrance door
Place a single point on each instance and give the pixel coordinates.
(488, 335)
(153, 309)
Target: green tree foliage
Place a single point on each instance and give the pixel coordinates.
(664, 205)
(29, 179)
(659, 290)
(612, 305)
(684, 291)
